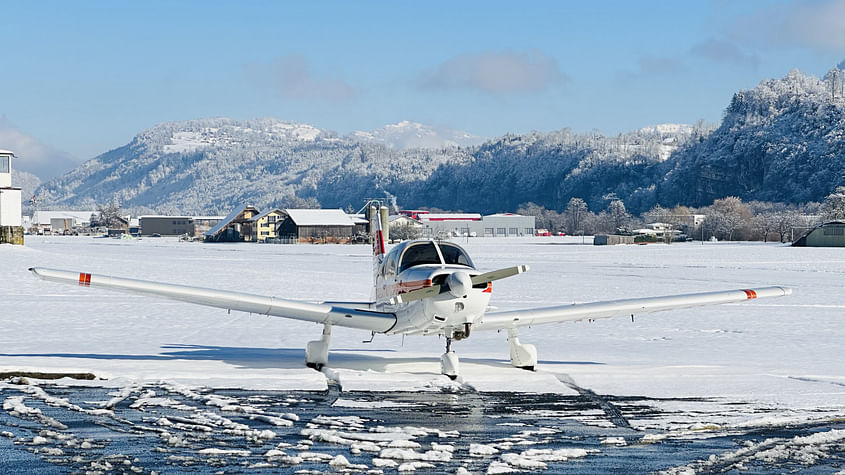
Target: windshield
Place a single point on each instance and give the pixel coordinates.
(419, 254)
(453, 254)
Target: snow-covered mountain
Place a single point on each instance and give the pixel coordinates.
(671, 136)
(407, 134)
(208, 166)
(781, 141)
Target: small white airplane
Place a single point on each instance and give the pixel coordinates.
(422, 287)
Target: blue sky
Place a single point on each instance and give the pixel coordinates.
(79, 78)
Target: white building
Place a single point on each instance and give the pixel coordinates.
(473, 224)
(59, 221)
(11, 230)
(10, 197)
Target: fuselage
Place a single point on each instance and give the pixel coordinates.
(420, 264)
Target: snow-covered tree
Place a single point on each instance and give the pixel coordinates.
(833, 206)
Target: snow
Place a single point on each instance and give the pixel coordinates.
(804, 450)
(407, 134)
(781, 354)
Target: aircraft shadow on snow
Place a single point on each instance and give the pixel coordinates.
(281, 358)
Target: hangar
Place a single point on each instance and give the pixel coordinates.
(829, 234)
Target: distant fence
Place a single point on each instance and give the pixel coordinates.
(283, 240)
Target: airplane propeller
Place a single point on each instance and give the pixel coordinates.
(458, 284)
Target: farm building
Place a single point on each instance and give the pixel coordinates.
(830, 234)
(264, 225)
(235, 227)
(316, 225)
(612, 239)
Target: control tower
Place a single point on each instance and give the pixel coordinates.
(11, 230)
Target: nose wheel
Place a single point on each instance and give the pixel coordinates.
(449, 364)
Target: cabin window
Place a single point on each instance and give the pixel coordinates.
(390, 266)
(419, 254)
(455, 255)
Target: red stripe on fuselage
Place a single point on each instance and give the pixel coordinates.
(404, 287)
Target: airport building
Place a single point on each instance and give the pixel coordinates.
(830, 234)
(474, 224)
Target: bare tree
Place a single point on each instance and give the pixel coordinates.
(619, 216)
(785, 221)
(726, 217)
(764, 223)
(108, 215)
(575, 213)
(405, 232)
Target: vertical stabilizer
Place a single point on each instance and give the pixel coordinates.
(377, 238)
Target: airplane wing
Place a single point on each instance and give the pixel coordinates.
(347, 315)
(615, 308)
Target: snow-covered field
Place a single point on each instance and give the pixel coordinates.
(767, 362)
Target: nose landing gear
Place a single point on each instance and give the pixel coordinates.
(449, 364)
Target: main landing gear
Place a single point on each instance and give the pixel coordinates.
(523, 356)
(317, 352)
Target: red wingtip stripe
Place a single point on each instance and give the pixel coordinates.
(750, 293)
(84, 279)
(489, 289)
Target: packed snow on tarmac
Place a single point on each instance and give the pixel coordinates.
(692, 374)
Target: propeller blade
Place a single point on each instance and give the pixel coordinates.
(419, 294)
(435, 290)
(498, 274)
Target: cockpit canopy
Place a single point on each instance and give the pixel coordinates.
(415, 253)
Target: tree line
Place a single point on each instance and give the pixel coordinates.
(727, 218)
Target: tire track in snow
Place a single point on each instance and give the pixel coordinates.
(613, 413)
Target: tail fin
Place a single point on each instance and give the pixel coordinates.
(377, 237)
(377, 232)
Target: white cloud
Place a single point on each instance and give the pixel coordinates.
(33, 156)
(816, 25)
(651, 66)
(496, 73)
(291, 77)
(724, 52)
